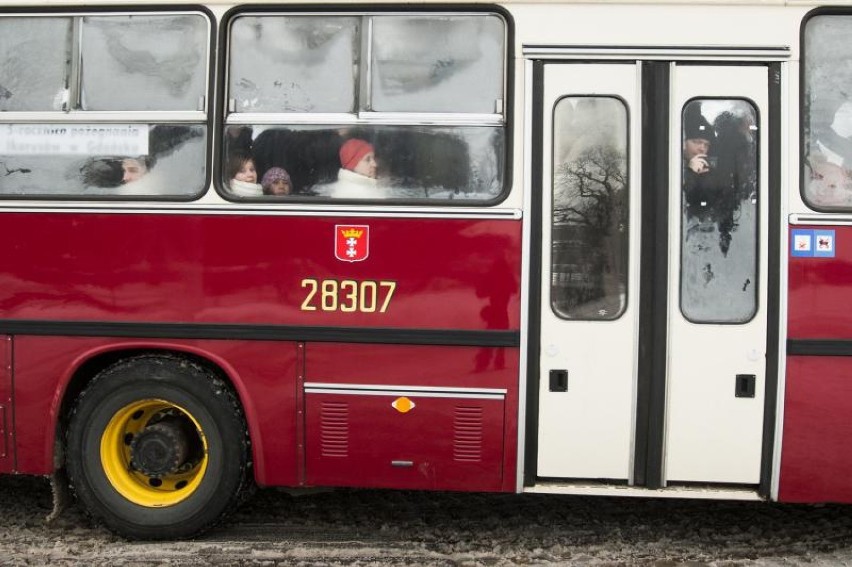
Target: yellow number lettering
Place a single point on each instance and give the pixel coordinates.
(329, 295)
(368, 296)
(349, 291)
(391, 287)
(312, 291)
(347, 296)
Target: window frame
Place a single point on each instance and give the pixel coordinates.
(366, 118)
(203, 118)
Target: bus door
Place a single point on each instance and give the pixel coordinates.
(589, 282)
(718, 274)
(710, 314)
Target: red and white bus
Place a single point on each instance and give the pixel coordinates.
(557, 247)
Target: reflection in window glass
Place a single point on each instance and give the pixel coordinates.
(293, 63)
(102, 160)
(589, 232)
(144, 62)
(718, 282)
(34, 57)
(369, 162)
(437, 64)
(827, 116)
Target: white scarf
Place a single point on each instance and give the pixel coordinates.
(245, 189)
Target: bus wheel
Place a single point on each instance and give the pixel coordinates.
(157, 448)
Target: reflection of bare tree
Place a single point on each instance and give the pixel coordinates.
(590, 233)
(589, 190)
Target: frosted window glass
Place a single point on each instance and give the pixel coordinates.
(437, 63)
(718, 279)
(294, 64)
(827, 116)
(144, 62)
(34, 57)
(172, 165)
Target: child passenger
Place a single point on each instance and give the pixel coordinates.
(243, 176)
(276, 181)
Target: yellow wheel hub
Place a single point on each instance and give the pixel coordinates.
(119, 453)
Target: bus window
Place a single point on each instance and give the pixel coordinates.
(718, 280)
(293, 64)
(143, 62)
(363, 114)
(33, 63)
(827, 112)
(152, 68)
(412, 162)
(411, 71)
(589, 224)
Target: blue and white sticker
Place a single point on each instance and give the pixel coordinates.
(824, 243)
(808, 243)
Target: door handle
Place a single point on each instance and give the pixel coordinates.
(558, 380)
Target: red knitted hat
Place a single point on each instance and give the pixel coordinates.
(353, 151)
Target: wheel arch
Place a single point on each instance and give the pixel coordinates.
(88, 364)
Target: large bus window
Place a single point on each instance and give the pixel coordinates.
(34, 55)
(372, 106)
(827, 112)
(144, 62)
(122, 114)
(589, 230)
(411, 162)
(102, 160)
(293, 64)
(718, 280)
(429, 64)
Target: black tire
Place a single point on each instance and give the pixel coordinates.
(108, 420)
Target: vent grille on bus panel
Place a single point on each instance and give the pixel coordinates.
(334, 429)
(467, 434)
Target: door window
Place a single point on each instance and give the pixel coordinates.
(718, 279)
(589, 224)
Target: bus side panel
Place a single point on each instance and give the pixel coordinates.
(421, 417)
(816, 459)
(7, 456)
(263, 373)
(816, 454)
(261, 270)
(820, 290)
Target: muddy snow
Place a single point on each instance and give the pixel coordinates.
(368, 527)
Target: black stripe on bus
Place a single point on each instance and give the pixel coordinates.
(534, 322)
(819, 347)
(448, 337)
(773, 316)
(653, 300)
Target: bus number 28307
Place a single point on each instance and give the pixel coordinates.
(347, 296)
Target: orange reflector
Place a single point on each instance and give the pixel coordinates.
(402, 405)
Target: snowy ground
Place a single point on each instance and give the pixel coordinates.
(360, 528)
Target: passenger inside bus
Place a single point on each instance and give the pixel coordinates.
(243, 176)
(356, 178)
(276, 181)
(333, 162)
(134, 168)
(698, 139)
